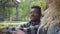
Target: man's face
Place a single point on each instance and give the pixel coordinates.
(34, 14)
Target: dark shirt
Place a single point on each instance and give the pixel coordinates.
(30, 28)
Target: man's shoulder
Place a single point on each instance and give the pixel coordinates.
(25, 24)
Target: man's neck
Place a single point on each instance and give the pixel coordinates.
(35, 21)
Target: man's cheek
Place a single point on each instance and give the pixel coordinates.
(33, 18)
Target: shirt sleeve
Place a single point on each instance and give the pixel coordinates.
(51, 29)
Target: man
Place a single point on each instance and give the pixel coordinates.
(35, 15)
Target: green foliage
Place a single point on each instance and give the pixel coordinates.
(23, 8)
(2, 25)
(7, 9)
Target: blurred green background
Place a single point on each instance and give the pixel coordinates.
(18, 10)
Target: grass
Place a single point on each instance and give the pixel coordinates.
(2, 25)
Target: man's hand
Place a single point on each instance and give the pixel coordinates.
(18, 32)
(0, 31)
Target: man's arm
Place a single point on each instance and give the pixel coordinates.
(1, 31)
(18, 32)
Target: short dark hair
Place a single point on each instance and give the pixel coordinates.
(37, 7)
